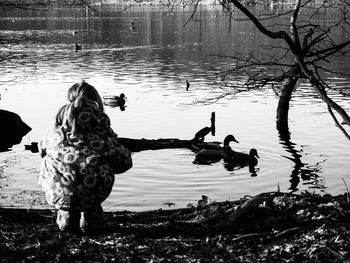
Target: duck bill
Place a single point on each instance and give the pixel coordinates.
(236, 141)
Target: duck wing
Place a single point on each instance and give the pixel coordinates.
(206, 156)
(238, 158)
(242, 159)
(208, 146)
(111, 101)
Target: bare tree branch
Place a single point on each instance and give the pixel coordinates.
(193, 13)
(338, 124)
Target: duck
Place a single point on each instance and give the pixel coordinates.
(216, 145)
(115, 101)
(132, 26)
(78, 47)
(187, 85)
(211, 153)
(244, 159)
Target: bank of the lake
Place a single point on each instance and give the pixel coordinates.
(271, 227)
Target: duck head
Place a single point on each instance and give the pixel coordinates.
(122, 95)
(229, 138)
(253, 152)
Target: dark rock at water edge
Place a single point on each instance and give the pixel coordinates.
(12, 129)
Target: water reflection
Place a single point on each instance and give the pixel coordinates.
(231, 167)
(308, 173)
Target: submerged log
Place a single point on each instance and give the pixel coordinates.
(137, 145)
(195, 144)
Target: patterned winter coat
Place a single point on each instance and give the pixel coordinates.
(78, 168)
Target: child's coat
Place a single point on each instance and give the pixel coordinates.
(79, 164)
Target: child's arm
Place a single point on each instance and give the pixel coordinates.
(51, 136)
(42, 152)
(120, 159)
(119, 156)
(42, 145)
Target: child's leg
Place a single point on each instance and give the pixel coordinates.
(92, 218)
(68, 220)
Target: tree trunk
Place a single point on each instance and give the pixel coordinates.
(283, 104)
(283, 129)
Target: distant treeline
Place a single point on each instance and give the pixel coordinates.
(23, 3)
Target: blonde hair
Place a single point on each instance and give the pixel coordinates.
(84, 90)
(60, 116)
(67, 114)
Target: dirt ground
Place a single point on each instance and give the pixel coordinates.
(270, 227)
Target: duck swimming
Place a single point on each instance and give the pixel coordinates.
(115, 101)
(243, 159)
(78, 47)
(211, 153)
(132, 26)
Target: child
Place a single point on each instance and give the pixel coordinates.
(80, 157)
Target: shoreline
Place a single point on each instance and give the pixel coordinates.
(270, 227)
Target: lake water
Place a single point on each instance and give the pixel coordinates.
(151, 64)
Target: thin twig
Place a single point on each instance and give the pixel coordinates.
(287, 231)
(192, 15)
(337, 123)
(247, 236)
(347, 192)
(335, 253)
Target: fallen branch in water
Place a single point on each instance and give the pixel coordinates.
(137, 145)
